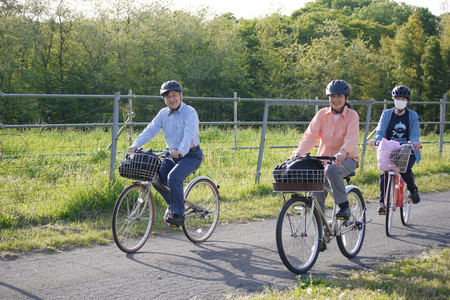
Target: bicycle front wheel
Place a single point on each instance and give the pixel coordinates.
(390, 202)
(133, 218)
(405, 209)
(353, 229)
(202, 203)
(298, 234)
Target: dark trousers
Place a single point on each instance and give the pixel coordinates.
(173, 173)
(408, 177)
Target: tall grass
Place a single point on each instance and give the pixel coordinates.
(56, 202)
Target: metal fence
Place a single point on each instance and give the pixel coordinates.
(129, 122)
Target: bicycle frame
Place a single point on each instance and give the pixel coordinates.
(314, 204)
(137, 212)
(135, 208)
(333, 229)
(399, 185)
(396, 186)
(300, 234)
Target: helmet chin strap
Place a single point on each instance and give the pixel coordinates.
(336, 111)
(174, 110)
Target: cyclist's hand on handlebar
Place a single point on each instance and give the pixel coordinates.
(132, 149)
(174, 153)
(340, 157)
(373, 143)
(417, 146)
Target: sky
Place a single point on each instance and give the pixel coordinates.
(249, 9)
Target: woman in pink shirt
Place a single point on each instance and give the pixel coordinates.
(337, 128)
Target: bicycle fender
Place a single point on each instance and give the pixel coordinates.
(349, 187)
(198, 179)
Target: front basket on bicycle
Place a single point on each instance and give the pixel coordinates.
(300, 175)
(142, 166)
(393, 156)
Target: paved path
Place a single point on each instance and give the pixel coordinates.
(238, 259)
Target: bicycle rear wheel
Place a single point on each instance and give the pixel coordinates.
(405, 209)
(202, 206)
(298, 234)
(133, 218)
(390, 202)
(354, 228)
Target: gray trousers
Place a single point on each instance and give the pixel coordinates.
(335, 176)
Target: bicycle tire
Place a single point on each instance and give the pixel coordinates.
(133, 218)
(390, 204)
(353, 229)
(297, 243)
(201, 220)
(405, 209)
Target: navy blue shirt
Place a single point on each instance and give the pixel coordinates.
(398, 128)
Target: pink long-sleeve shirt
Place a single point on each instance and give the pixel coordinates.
(334, 136)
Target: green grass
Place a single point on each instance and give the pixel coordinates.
(49, 203)
(425, 277)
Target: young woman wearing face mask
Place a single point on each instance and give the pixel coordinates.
(400, 124)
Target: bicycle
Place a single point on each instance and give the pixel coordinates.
(395, 195)
(134, 211)
(302, 226)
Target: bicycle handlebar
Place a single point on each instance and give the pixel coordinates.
(330, 158)
(163, 154)
(408, 144)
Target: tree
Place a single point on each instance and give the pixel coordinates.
(305, 23)
(370, 31)
(123, 45)
(407, 50)
(445, 48)
(434, 71)
(384, 12)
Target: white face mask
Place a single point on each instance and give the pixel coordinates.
(400, 104)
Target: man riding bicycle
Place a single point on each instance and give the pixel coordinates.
(180, 125)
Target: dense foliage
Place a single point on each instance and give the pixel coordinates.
(372, 44)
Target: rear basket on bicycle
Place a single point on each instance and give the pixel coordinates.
(392, 156)
(299, 175)
(140, 166)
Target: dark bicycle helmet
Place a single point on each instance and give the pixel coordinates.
(170, 85)
(401, 91)
(338, 87)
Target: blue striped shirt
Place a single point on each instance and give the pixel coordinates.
(180, 129)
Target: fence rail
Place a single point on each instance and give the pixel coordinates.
(264, 123)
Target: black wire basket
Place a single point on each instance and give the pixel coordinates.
(301, 180)
(140, 166)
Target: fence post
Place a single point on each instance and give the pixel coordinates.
(316, 106)
(235, 119)
(115, 128)
(263, 138)
(442, 125)
(366, 132)
(130, 117)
